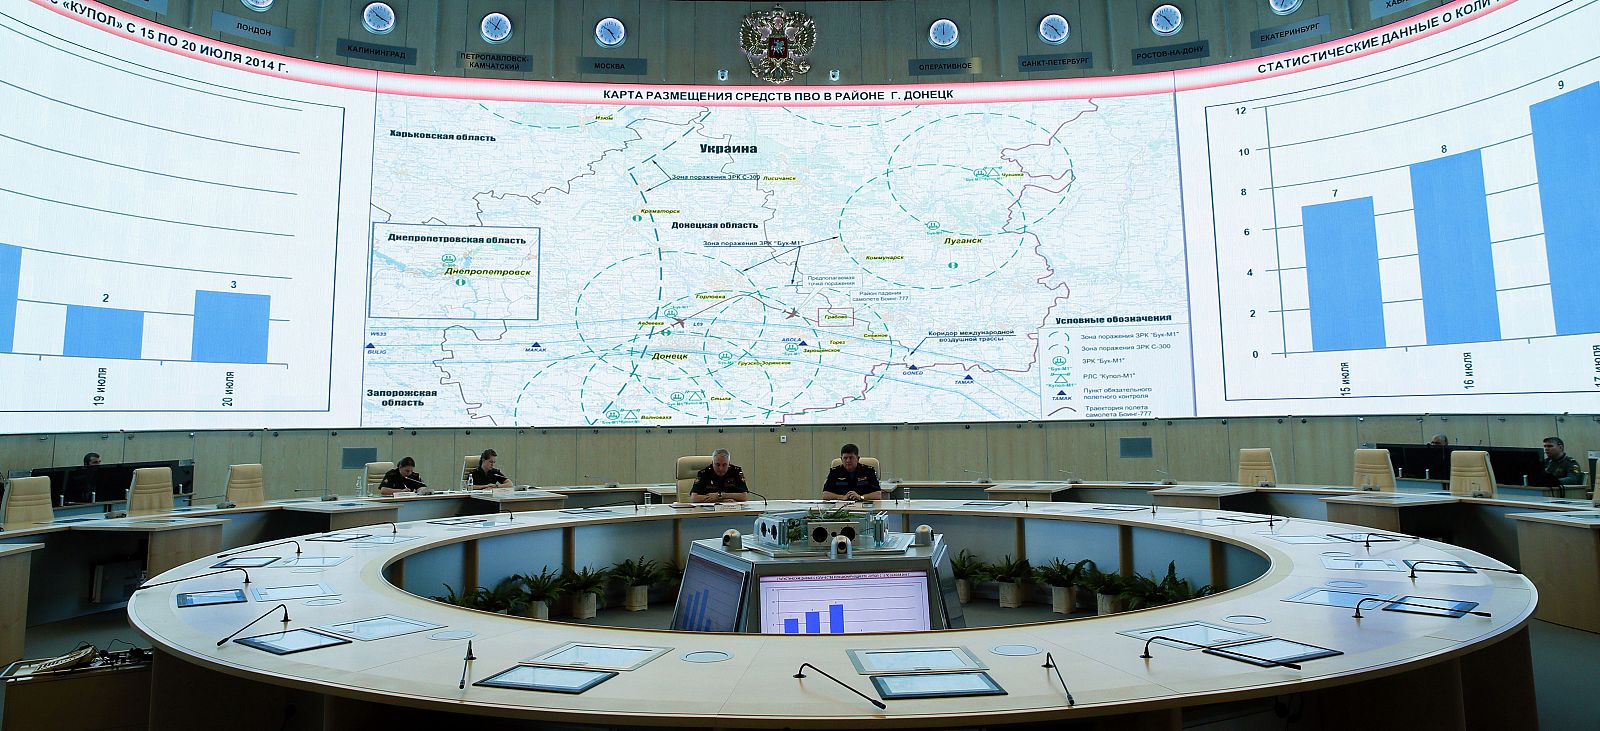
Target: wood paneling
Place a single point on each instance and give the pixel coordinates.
(1198, 449)
(295, 461)
(1017, 451)
(1075, 448)
(958, 451)
(1272, 432)
(214, 451)
(1324, 450)
(1136, 468)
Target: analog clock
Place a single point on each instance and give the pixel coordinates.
(610, 33)
(1053, 29)
(1166, 20)
(495, 28)
(944, 33)
(1284, 7)
(259, 6)
(378, 18)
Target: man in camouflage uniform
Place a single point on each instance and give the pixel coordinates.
(1560, 465)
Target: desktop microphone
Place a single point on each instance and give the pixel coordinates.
(196, 576)
(1072, 477)
(615, 503)
(393, 528)
(604, 481)
(1050, 663)
(1360, 601)
(1168, 480)
(801, 673)
(326, 497)
(465, 663)
(236, 632)
(1415, 564)
(759, 495)
(511, 517)
(1225, 652)
(983, 479)
(222, 503)
(1367, 542)
(257, 548)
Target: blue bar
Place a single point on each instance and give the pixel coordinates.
(697, 611)
(1341, 242)
(1566, 152)
(10, 275)
(1459, 304)
(813, 623)
(791, 626)
(230, 327)
(836, 619)
(101, 332)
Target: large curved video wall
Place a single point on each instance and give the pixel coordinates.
(200, 236)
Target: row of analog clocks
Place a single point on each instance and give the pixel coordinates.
(1165, 20)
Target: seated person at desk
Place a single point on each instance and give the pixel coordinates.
(851, 480)
(91, 459)
(722, 482)
(486, 474)
(1559, 465)
(1439, 440)
(404, 478)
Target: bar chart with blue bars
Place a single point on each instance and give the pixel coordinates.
(1431, 251)
(171, 268)
(844, 603)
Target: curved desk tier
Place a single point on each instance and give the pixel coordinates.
(389, 679)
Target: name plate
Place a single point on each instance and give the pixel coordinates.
(495, 61)
(159, 7)
(1055, 62)
(377, 52)
(255, 30)
(1175, 52)
(624, 66)
(1379, 8)
(1312, 28)
(945, 66)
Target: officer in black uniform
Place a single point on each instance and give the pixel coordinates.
(485, 473)
(403, 478)
(722, 482)
(1560, 465)
(851, 480)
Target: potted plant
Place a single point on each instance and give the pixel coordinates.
(637, 577)
(1107, 588)
(506, 597)
(1174, 589)
(968, 570)
(586, 586)
(1063, 578)
(1141, 592)
(1012, 575)
(468, 598)
(540, 592)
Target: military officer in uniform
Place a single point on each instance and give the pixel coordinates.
(1560, 465)
(851, 480)
(722, 482)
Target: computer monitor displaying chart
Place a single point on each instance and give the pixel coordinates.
(710, 597)
(880, 601)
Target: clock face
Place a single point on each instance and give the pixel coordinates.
(610, 33)
(944, 33)
(1284, 7)
(1166, 20)
(378, 18)
(257, 5)
(1053, 29)
(496, 28)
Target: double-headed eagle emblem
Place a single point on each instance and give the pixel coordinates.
(778, 43)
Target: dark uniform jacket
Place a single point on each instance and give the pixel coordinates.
(840, 482)
(708, 481)
(1564, 469)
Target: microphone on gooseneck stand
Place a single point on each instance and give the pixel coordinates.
(223, 505)
(1168, 479)
(1050, 663)
(801, 673)
(466, 662)
(612, 504)
(1072, 477)
(196, 576)
(1368, 540)
(605, 481)
(759, 495)
(1223, 651)
(983, 479)
(1415, 564)
(258, 548)
(511, 517)
(236, 632)
(1434, 607)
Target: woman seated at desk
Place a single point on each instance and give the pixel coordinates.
(486, 474)
(404, 478)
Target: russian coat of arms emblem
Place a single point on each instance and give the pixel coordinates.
(778, 43)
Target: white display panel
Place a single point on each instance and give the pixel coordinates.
(888, 601)
(197, 235)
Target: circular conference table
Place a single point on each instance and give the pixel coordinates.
(1403, 669)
